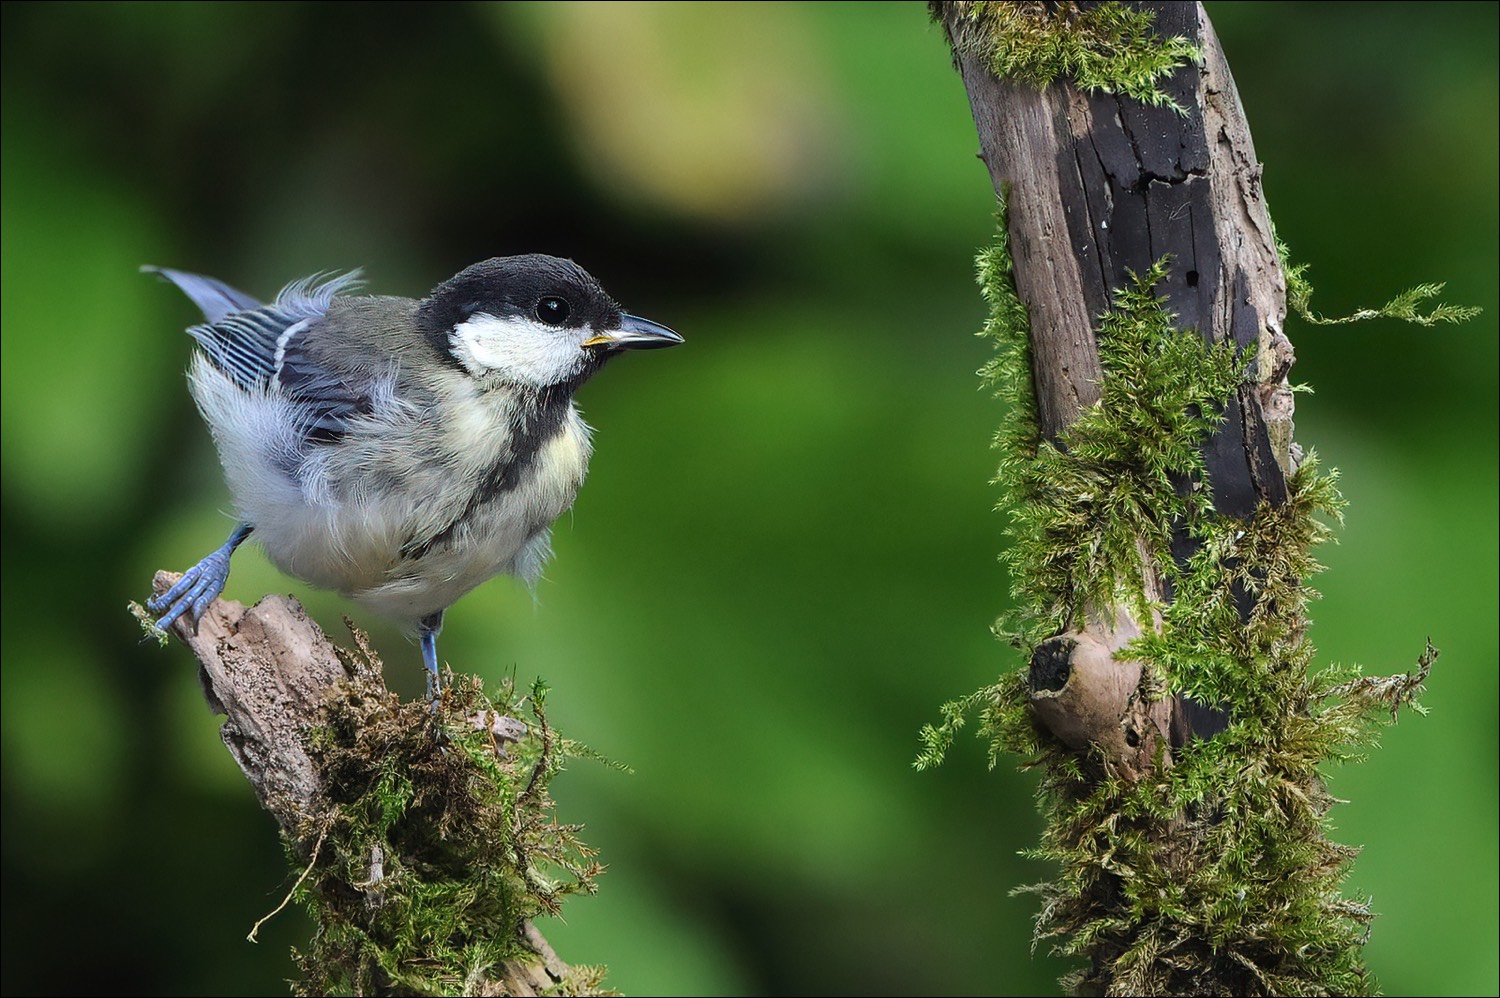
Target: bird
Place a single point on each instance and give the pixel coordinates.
(400, 451)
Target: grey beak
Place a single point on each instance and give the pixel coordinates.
(634, 333)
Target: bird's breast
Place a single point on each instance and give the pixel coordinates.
(496, 523)
(563, 461)
(420, 503)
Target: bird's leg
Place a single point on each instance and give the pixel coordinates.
(428, 629)
(199, 584)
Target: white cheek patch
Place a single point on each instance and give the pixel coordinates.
(519, 349)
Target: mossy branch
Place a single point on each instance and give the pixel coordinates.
(424, 842)
(1259, 880)
(1163, 525)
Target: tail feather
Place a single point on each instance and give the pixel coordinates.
(214, 297)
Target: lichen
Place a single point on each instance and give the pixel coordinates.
(1212, 875)
(1108, 47)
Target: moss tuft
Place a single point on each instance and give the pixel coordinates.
(1105, 47)
(1405, 307)
(440, 840)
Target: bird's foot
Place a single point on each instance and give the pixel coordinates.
(198, 585)
(194, 591)
(427, 632)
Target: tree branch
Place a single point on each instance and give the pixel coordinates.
(273, 673)
(1162, 521)
(1100, 186)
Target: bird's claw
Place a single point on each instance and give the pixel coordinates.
(193, 592)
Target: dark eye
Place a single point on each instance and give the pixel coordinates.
(552, 310)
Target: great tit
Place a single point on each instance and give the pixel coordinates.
(400, 451)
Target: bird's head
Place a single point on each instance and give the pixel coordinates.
(537, 321)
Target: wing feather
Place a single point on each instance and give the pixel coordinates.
(258, 345)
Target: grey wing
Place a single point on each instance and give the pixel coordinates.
(258, 345)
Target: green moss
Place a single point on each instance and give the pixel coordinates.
(1108, 47)
(440, 841)
(1088, 515)
(1405, 307)
(1213, 875)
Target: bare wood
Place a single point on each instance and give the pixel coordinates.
(269, 669)
(1085, 695)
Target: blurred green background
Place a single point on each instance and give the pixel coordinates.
(784, 558)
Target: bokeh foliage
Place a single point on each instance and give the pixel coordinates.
(784, 555)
